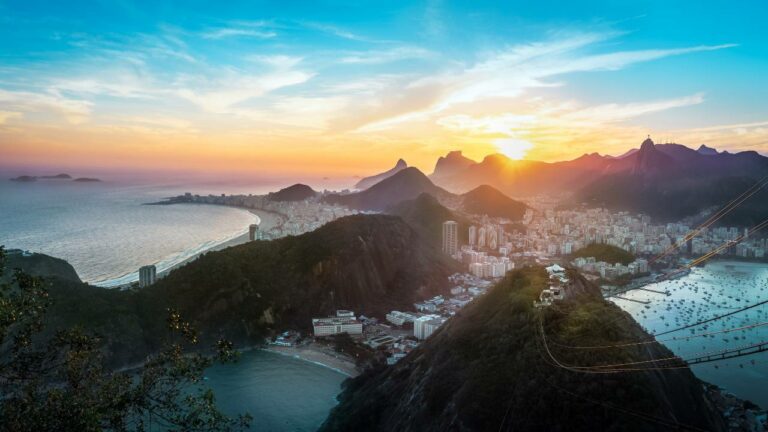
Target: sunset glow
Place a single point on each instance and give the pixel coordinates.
(245, 88)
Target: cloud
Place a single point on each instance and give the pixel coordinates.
(222, 95)
(227, 32)
(386, 56)
(73, 110)
(277, 61)
(511, 72)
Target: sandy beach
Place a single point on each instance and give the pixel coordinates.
(321, 355)
(268, 220)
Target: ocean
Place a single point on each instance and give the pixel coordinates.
(719, 288)
(105, 232)
(281, 393)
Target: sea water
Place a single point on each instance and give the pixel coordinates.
(104, 230)
(719, 288)
(281, 393)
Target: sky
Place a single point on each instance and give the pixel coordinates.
(341, 88)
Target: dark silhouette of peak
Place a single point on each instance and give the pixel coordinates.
(297, 192)
(367, 182)
(487, 200)
(451, 164)
(706, 151)
(406, 184)
(647, 145)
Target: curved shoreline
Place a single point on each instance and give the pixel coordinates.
(314, 355)
(162, 271)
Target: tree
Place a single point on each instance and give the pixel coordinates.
(61, 384)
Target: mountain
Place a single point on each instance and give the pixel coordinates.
(672, 182)
(297, 192)
(86, 180)
(406, 184)
(524, 178)
(426, 215)
(666, 181)
(707, 151)
(454, 162)
(370, 264)
(367, 182)
(488, 200)
(487, 369)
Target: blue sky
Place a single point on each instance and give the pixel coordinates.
(253, 83)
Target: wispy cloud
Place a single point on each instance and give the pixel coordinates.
(238, 32)
(73, 110)
(386, 56)
(517, 69)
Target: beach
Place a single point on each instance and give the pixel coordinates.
(319, 354)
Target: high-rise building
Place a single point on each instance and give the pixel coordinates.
(472, 235)
(481, 237)
(147, 275)
(450, 237)
(253, 232)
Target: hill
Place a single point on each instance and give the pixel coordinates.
(606, 253)
(488, 200)
(486, 370)
(41, 265)
(367, 263)
(297, 192)
(407, 184)
(426, 215)
(367, 182)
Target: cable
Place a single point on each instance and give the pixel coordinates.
(646, 342)
(714, 218)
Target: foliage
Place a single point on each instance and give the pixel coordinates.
(606, 253)
(61, 384)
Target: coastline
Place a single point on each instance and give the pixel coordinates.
(314, 353)
(266, 220)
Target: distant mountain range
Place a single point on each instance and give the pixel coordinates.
(367, 182)
(410, 183)
(666, 181)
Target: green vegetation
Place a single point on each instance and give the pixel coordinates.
(368, 263)
(426, 215)
(486, 369)
(60, 383)
(606, 253)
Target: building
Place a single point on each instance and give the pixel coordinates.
(450, 237)
(253, 232)
(400, 318)
(147, 276)
(472, 235)
(343, 322)
(424, 326)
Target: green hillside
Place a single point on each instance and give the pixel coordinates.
(606, 253)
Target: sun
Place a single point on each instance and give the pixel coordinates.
(513, 148)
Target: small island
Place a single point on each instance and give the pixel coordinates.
(62, 176)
